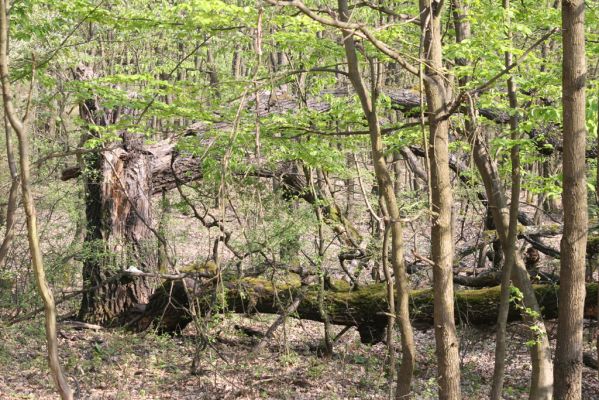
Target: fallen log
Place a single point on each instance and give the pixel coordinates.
(364, 308)
(492, 277)
(488, 278)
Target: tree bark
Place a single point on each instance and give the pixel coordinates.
(118, 186)
(541, 384)
(437, 98)
(510, 250)
(13, 195)
(365, 308)
(119, 220)
(569, 347)
(20, 128)
(385, 183)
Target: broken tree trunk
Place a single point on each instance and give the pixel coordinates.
(365, 308)
(118, 183)
(119, 218)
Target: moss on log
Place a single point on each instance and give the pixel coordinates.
(364, 308)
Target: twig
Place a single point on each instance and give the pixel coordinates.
(374, 215)
(82, 325)
(291, 309)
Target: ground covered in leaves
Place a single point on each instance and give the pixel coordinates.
(117, 365)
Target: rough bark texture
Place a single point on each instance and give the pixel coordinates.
(120, 182)
(118, 219)
(437, 97)
(166, 164)
(568, 353)
(118, 185)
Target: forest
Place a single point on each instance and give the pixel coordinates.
(299, 199)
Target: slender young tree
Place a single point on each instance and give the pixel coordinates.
(437, 96)
(510, 250)
(13, 195)
(568, 352)
(385, 182)
(541, 385)
(20, 128)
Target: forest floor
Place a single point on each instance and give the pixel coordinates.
(112, 364)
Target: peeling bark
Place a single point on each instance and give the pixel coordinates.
(119, 218)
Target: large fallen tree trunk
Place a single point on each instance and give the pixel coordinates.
(365, 308)
(138, 170)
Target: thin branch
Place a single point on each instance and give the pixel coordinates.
(170, 74)
(370, 209)
(457, 102)
(355, 29)
(404, 18)
(73, 152)
(423, 259)
(29, 94)
(62, 44)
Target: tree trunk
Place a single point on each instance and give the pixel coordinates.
(13, 196)
(568, 352)
(510, 251)
(542, 382)
(385, 183)
(364, 308)
(437, 97)
(119, 189)
(119, 218)
(20, 128)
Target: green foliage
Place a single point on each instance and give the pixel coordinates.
(535, 321)
(165, 65)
